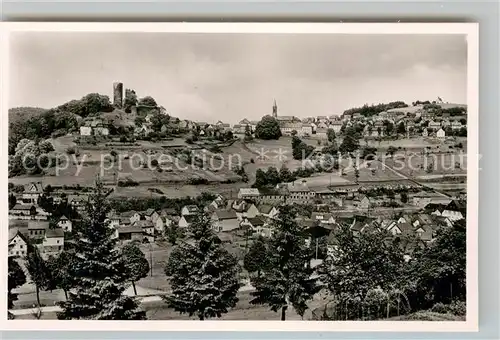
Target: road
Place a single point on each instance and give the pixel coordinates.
(142, 300)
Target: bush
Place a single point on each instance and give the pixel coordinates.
(252, 160)
(71, 150)
(128, 183)
(458, 308)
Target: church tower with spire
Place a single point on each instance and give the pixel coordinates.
(275, 109)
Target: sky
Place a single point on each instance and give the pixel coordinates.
(228, 77)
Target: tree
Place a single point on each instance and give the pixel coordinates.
(130, 100)
(148, 101)
(286, 175)
(268, 128)
(99, 271)
(260, 178)
(256, 258)
(286, 280)
(16, 279)
(360, 263)
(300, 150)
(136, 263)
(391, 150)
(439, 269)
(331, 135)
(401, 128)
(356, 174)
(12, 201)
(404, 197)
(248, 133)
(173, 233)
(38, 270)
(59, 271)
(350, 142)
(203, 275)
(389, 127)
(272, 175)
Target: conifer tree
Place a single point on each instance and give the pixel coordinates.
(99, 272)
(286, 280)
(203, 275)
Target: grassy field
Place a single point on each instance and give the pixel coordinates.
(415, 165)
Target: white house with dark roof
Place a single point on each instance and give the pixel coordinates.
(53, 242)
(18, 243)
(65, 224)
(225, 220)
(189, 210)
(32, 192)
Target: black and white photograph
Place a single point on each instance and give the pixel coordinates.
(243, 172)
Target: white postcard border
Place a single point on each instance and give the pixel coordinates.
(470, 30)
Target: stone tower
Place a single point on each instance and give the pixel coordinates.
(118, 95)
(275, 109)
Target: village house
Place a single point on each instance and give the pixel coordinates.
(257, 225)
(287, 128)
(306, 129)
(426, 115)
(32, 193)
(151, 215)
(300, 193)
(248, 193)
(28, 212)
(434, 125)
(22, 212)
(85, 130)
(18, 243)
(250, 210)
(37, 229)
(335, 126)
(454, 211)
(188, 210)
(132, 216)
(225, 220)
(186, 220)
(268, 211)
(147, 228)
(403, 229)
(239, 129)
(130, 233)
(440, 133)
(65, 224)
(364, 202)
(456, 125)
(424, 232)
(78, 201)
(321, 133)
(53, 242)
(326, 218)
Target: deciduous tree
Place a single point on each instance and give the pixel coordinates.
(286, 280)
(268, 128)
(136, 263)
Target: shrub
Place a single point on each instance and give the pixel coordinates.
(71, 150)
